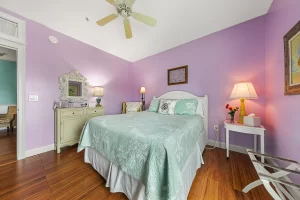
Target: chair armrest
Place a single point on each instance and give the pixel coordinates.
(3, 116)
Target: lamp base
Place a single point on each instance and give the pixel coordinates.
(242, 111)
(98, 102)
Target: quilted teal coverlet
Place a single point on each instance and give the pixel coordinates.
(150, 147)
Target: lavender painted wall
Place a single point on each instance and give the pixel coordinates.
(282, 112)
(45, 62)
(216, 62)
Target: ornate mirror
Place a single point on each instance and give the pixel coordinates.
(74, 87)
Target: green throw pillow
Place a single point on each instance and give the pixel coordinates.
(186, 107)
(154, 105)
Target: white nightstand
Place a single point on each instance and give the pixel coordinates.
(241, 128)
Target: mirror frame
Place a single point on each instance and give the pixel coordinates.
(64, 87)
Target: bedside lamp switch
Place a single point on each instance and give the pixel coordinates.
(33, 97)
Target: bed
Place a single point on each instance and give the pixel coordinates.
(147, 155)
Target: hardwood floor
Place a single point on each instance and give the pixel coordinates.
(66, 176)
(8, 148)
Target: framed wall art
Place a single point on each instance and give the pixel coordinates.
(292, 61)
(178, 75)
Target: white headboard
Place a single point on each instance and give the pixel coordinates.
(186, 95)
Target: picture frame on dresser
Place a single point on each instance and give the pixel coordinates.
(178, 75)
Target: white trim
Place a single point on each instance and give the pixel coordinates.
(222, 145)
(21, 94)
(40, 150)
(294, 192)
(18, 44)
(21, 39)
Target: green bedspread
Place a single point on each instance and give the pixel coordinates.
(150, 147)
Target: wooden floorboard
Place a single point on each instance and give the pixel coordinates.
(8, 148)
(66, 176)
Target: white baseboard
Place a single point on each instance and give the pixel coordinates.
(235, 148)
(40, 150)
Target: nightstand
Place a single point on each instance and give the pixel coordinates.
(241, 128)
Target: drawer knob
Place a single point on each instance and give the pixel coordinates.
(73, 113)
(95, 111)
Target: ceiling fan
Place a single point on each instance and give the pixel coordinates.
(124, 9)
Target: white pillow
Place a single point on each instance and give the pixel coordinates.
(167, 107)
(132, 106)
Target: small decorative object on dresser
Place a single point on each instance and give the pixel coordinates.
(231, 112)
(243, 91)
(292, 61)
(143, 92)
(69, 123)
(178, 75)
(98, 92)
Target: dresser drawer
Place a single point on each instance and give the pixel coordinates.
(74, 113)
(95, 111)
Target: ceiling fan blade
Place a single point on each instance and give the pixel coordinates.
(130, 2)
(107, 19)
(112, 2)
(144, 18)
(127, 28)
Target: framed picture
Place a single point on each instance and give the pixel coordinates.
(292, 61)
(178, 75)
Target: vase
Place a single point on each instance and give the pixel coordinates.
(232, 119)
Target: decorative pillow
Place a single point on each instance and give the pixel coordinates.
(186, 107)
(154, 105)
(133, 106)
(167, 107)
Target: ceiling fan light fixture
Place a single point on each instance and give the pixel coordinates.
(124, 9)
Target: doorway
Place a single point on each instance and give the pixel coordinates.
(13, 38)
(8, 105)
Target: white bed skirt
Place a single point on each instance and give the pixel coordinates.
(119, 181)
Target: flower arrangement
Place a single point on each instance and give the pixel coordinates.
(231, 112)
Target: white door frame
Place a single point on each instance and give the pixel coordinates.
(18, 44)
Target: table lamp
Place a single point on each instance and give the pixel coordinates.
(143, 92)
(98, 92)
(243, 91)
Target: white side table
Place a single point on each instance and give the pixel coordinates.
(241, 128)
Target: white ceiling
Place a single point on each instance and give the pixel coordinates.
(179, 21)
(10, 55)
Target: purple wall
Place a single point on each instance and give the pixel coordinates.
(216, 62)
(45, 62)
(282, 112)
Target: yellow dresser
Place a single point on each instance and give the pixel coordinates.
(69, 123)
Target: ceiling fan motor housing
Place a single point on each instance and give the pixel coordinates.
(124, 10)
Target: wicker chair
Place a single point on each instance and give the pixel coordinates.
(9, 120)
(124, 111)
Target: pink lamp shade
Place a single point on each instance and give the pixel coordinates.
(243, 91)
